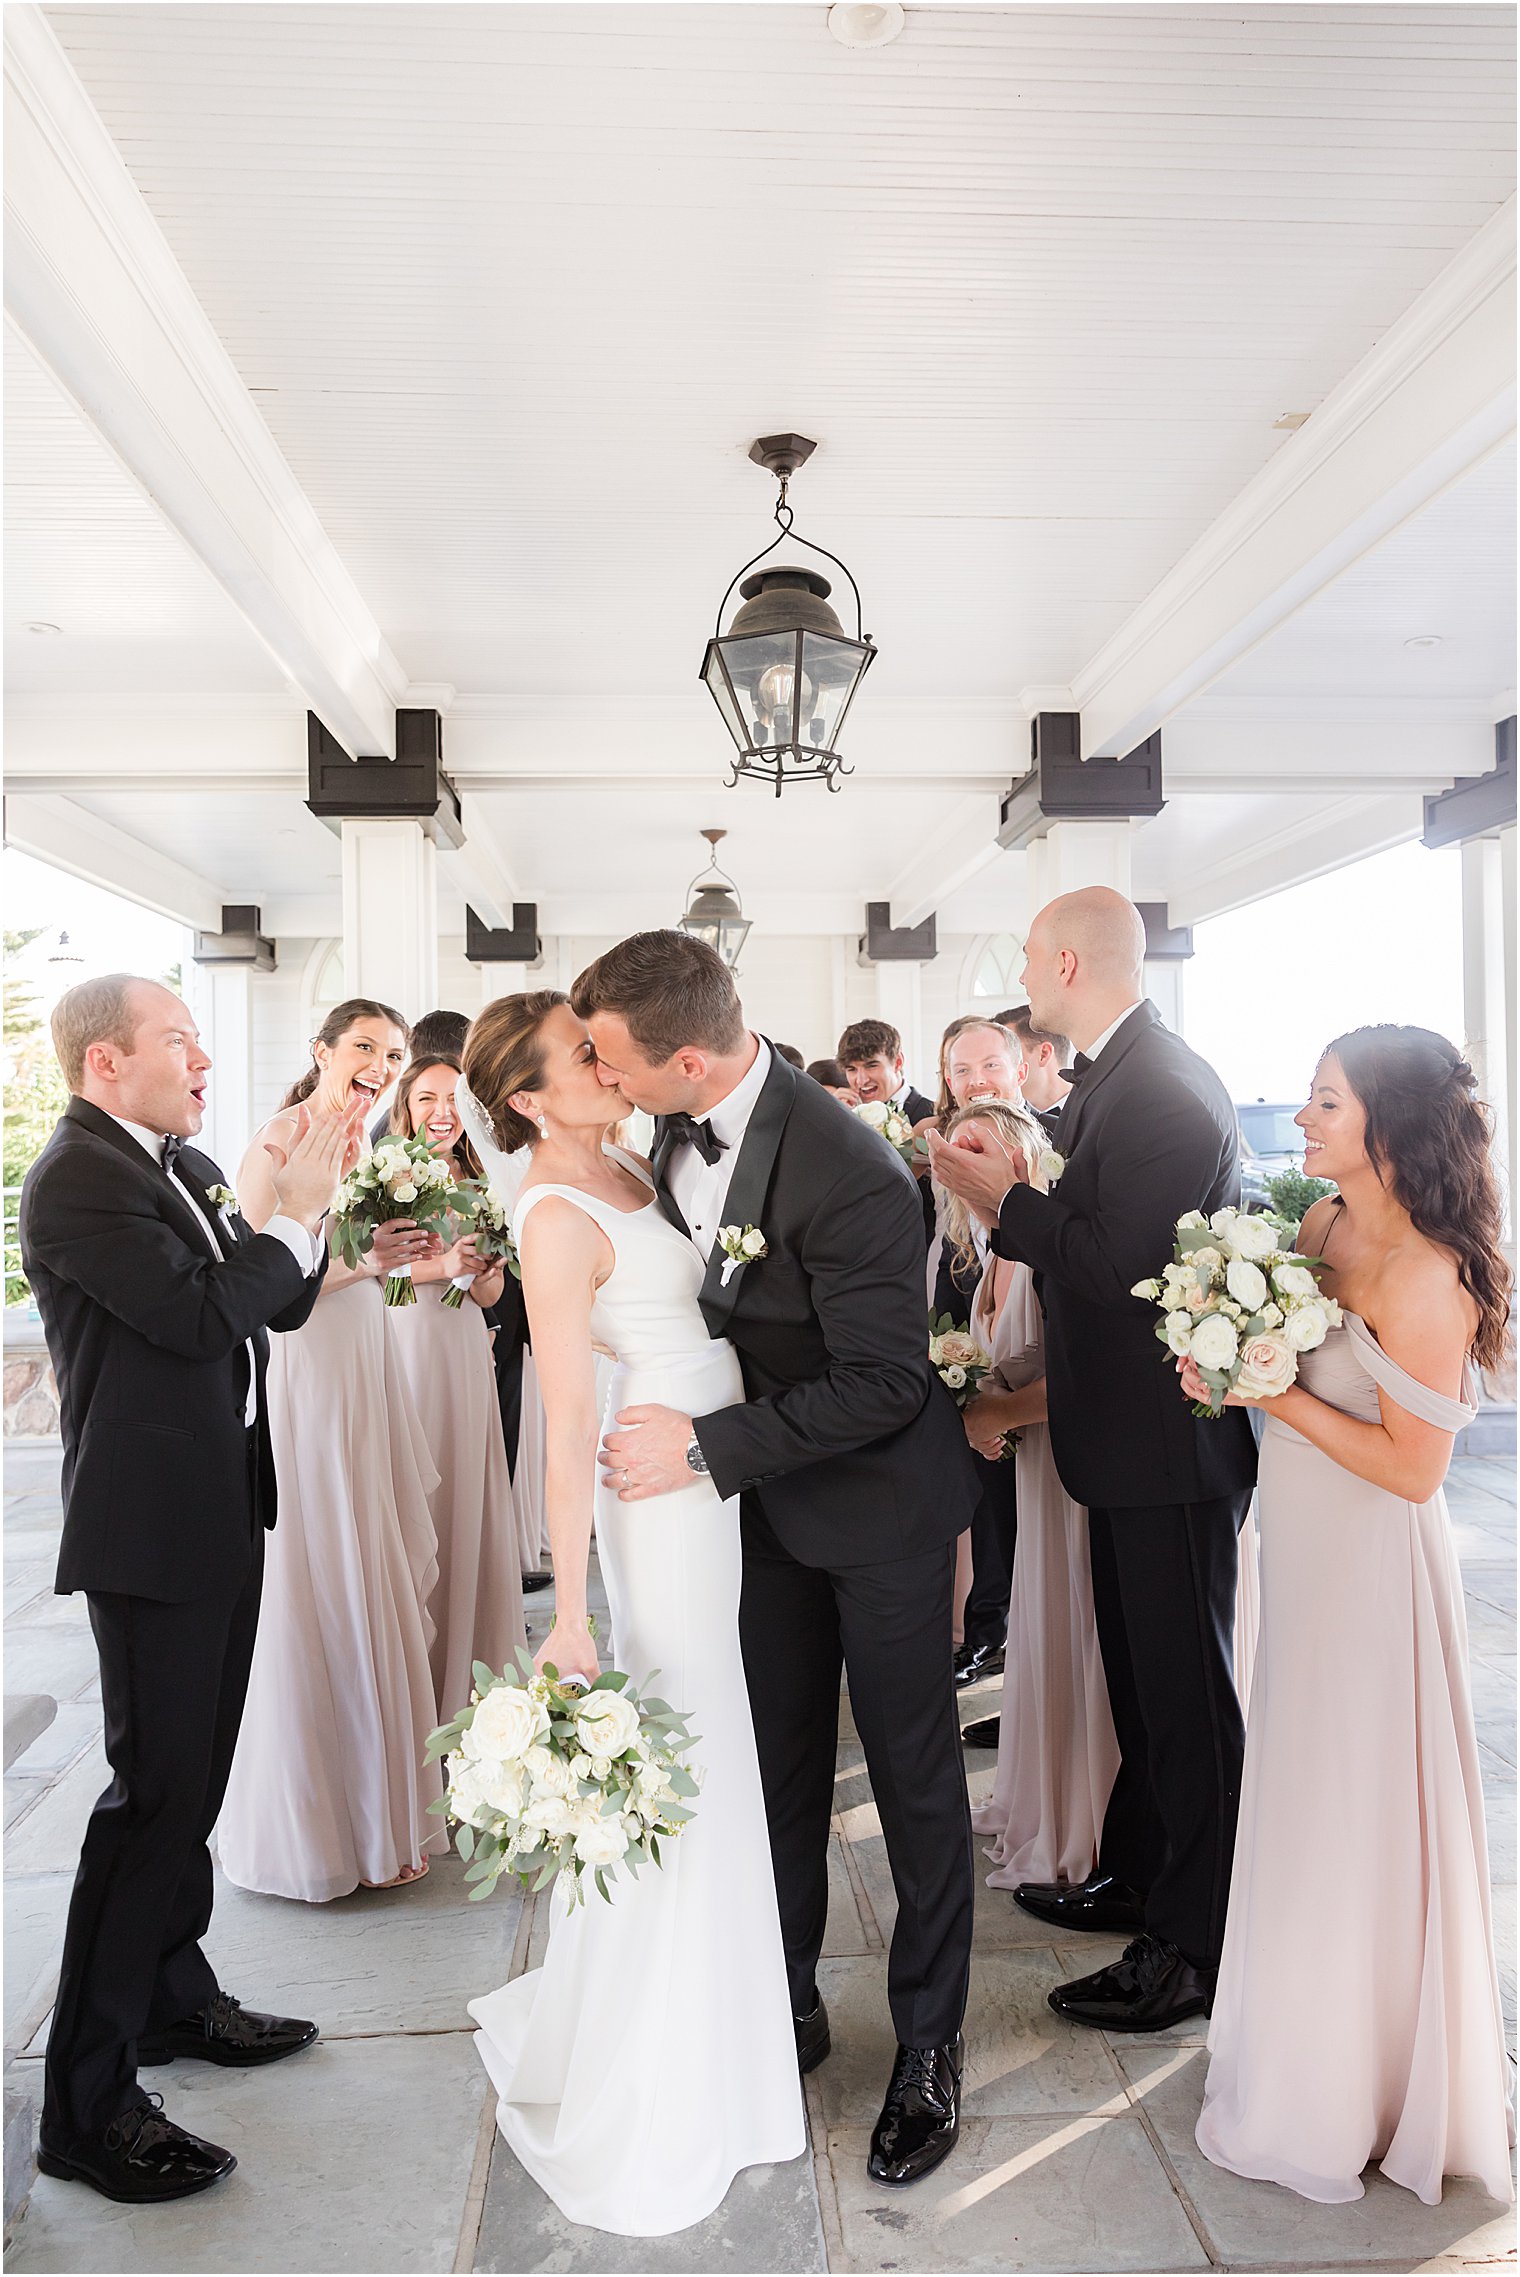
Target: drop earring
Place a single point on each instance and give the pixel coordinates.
(543, 1126)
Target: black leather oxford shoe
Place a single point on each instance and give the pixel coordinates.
(973, 1662)
(983, 1734)
(1098, 1903)
(813, 2042)
(141, 2159)
(921, 2117)
(534, 1582)
(225, 2032)
(1151, 1987)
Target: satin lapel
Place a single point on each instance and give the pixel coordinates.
(663, 1150)
(105, 1126)
(747, 1189)
(1135, 1026)
(188, 1174)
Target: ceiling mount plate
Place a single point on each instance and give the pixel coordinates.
(782, 454)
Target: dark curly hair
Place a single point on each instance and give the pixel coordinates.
(1428, 1136)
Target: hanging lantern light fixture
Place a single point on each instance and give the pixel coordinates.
(714, 912)
(785, 673)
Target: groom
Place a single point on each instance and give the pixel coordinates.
(853, 1475)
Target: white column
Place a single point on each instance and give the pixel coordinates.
(507, 980)
(221, 997)
(1487, 998)
(390, 913)
(1163, 985)
(1075, 854)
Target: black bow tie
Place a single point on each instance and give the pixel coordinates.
(1078, 1068)
(685, 1130)
(173, 1149)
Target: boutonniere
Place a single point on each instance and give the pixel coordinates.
(741, 1245)
(222, 1198)
(1051, 1165)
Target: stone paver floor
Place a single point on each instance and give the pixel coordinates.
(376, 2152)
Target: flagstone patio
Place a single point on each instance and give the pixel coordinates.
(376, 2151)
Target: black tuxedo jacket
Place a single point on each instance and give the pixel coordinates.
(148, 1336)
(1147, 1134)
(852, 1446)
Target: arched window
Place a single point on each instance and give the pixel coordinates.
(993, 969)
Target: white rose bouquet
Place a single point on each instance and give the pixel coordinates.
(890, 1123)
(551, 1782)
(489, 1222)
(399, 1178)
(961, 1363)
(1240, 1303)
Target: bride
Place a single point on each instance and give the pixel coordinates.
(652, 2056)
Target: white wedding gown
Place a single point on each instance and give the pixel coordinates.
(652, 2056)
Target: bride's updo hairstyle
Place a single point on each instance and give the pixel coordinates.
(504, 1053)
(1427, 1137)
(334, 1028)
(1018, 1130)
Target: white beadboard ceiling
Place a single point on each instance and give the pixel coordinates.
(515, 286)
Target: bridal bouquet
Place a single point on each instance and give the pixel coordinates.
(890, 1123)
(489, 1223)
(1240, 1303)
(551, 1782)
(398, 1178)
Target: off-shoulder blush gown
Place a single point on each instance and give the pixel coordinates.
(652, 2057)
(328, 1785)
(476, 1606)
(1057, 1754)
(1357, 2018)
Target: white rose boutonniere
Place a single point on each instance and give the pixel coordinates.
(741, 1245)
(1051, 1166)
(222, 1198)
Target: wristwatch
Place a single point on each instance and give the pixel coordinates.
(695, 1459)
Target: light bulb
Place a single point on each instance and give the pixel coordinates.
(778, 685)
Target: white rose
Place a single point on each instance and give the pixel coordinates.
(1305, 1327)
(404, 1191)
(1247, 1283)
(606, 1723)
(468, 1799)
(958, 1349)
(954, 1377)
(601, 1766)
(550, 1773)
(1267, 1367)
(581, 1766)
(874, 1113)
(502, 1786)
(1207, 1264)
(1272, 1316)
(1150, 1289)
(1179, 1333)
(505, 1724)
(1214, 1343)
(602, 1842)
(1051, 1165)
(1294, 1281)
(653, 1779)
(1250, 1237)
(753, 1243)
(1190, 1219)
(551, 1814)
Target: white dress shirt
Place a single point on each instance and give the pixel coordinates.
(1099, 1043)
(701, 1188)
(302, 1245)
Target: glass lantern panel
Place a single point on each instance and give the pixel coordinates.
(763, 669)
(713, 674)
(830, 669)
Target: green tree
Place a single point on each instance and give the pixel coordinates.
(1294, 1195)
(35, 1093)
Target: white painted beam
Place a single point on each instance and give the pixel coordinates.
(964, 845)
(1433, 397)
(68, 836)
(477, 871)
(1333, 834)
(92, 285)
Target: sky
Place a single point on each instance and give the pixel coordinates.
(1267, 987)
(1270, 985)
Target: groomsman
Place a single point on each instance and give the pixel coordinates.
(1047, 1065)
(155, 1298)
(871, 1053)
(1148, 1133)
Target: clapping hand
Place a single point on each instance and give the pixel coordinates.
(977, 1166)
(309, 1164)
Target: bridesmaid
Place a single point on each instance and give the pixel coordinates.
(477, 1604)
(329, 1790)
(1357, 2017)
(1057, 1754)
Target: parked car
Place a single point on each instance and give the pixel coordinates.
(1271, 1137)
(1254, 1191)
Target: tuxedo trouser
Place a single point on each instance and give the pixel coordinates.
(994, 1532)
(173, 1679)
(1163, 1583)
(888, 1627)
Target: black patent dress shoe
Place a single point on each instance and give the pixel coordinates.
(984, 1734)
(224, 2032)
(973, 1662)
(141, 2159)
(1100, 1902)
(1151, 1987)
(921, 2117)
(813, 2042)
(534, 1582)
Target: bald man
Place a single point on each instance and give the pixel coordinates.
(1148, 1133)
